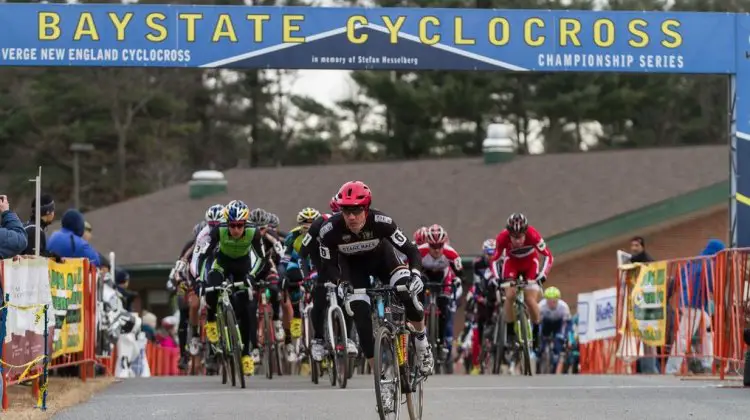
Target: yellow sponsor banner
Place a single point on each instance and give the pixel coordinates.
(647, 310)
(66, 285)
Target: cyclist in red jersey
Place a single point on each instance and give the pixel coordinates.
(522, 244)
(442, 264)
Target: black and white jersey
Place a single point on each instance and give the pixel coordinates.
(337, 240)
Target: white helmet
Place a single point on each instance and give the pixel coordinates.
(215, 213)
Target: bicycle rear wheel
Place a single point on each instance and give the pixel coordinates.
(268, 346)
(387, 391)
(236, 343)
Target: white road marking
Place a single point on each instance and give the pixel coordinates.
(428, 389)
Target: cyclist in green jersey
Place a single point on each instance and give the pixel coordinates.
(232, 242)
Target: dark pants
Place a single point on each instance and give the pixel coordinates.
(384, 263)
(246, 309)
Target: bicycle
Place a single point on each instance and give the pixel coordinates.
(394, 341)
(230, 343)
(492, 354)
(267, 340)
(547, 364)
(432, 313)
(522, 326)
(336, 339)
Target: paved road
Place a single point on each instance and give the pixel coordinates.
(446, 397)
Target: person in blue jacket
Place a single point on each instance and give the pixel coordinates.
(12, 234)
(68, 242)
(696, 307)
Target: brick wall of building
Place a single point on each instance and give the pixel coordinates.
(597, 270)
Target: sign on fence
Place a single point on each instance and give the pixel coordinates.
(596, 315)
(27, 284)
(647, 309)
(66, 285)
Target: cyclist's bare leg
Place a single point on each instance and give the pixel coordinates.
(194, 303)
(509, 313)
(531, 297)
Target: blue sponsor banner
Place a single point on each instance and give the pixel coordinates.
(741, 156)
(356, 38)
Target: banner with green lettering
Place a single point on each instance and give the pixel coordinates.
(648, 304)
(66, 285)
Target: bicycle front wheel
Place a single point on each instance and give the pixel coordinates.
(386, 375)
(525, 345)
(414, 400)
(433, 331)
(236, 345)
(340, 355)
(221, 356)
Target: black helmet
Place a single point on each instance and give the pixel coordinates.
(517, 224)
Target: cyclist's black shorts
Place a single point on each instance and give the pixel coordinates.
(237, 268)
(381, 263)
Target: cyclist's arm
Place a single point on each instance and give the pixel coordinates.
(385, 228)
(213, 242)
(502, 240)
(541, 247)
(187, 250)
(455, 261)
(256, 246)
(566, 316)
(329, 259)
(308, 244)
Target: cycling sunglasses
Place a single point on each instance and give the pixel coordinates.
(237, 225)
(355, 210)
(436, 246)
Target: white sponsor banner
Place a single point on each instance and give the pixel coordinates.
(596, 315)
(27, 284)
(131, 357)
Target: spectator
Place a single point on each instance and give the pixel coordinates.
(148, 325)
(638, 251)
(639, 255)
(87, 231)
(122, 280)
(46, 216)
(87, 236)
(165, 337)
(68, 241)
(697, 294)
(12, 235)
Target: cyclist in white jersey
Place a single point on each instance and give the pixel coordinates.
(555, 315)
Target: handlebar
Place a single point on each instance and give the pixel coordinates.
(224, 286)
(520, 283)
(377, 291)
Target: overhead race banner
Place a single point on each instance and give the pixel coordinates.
(358, 38)
(66, 284)
(648, 304)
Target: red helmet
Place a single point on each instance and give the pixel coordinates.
(334, 205)
(420, 235)
(436, 235)
(354, 194)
